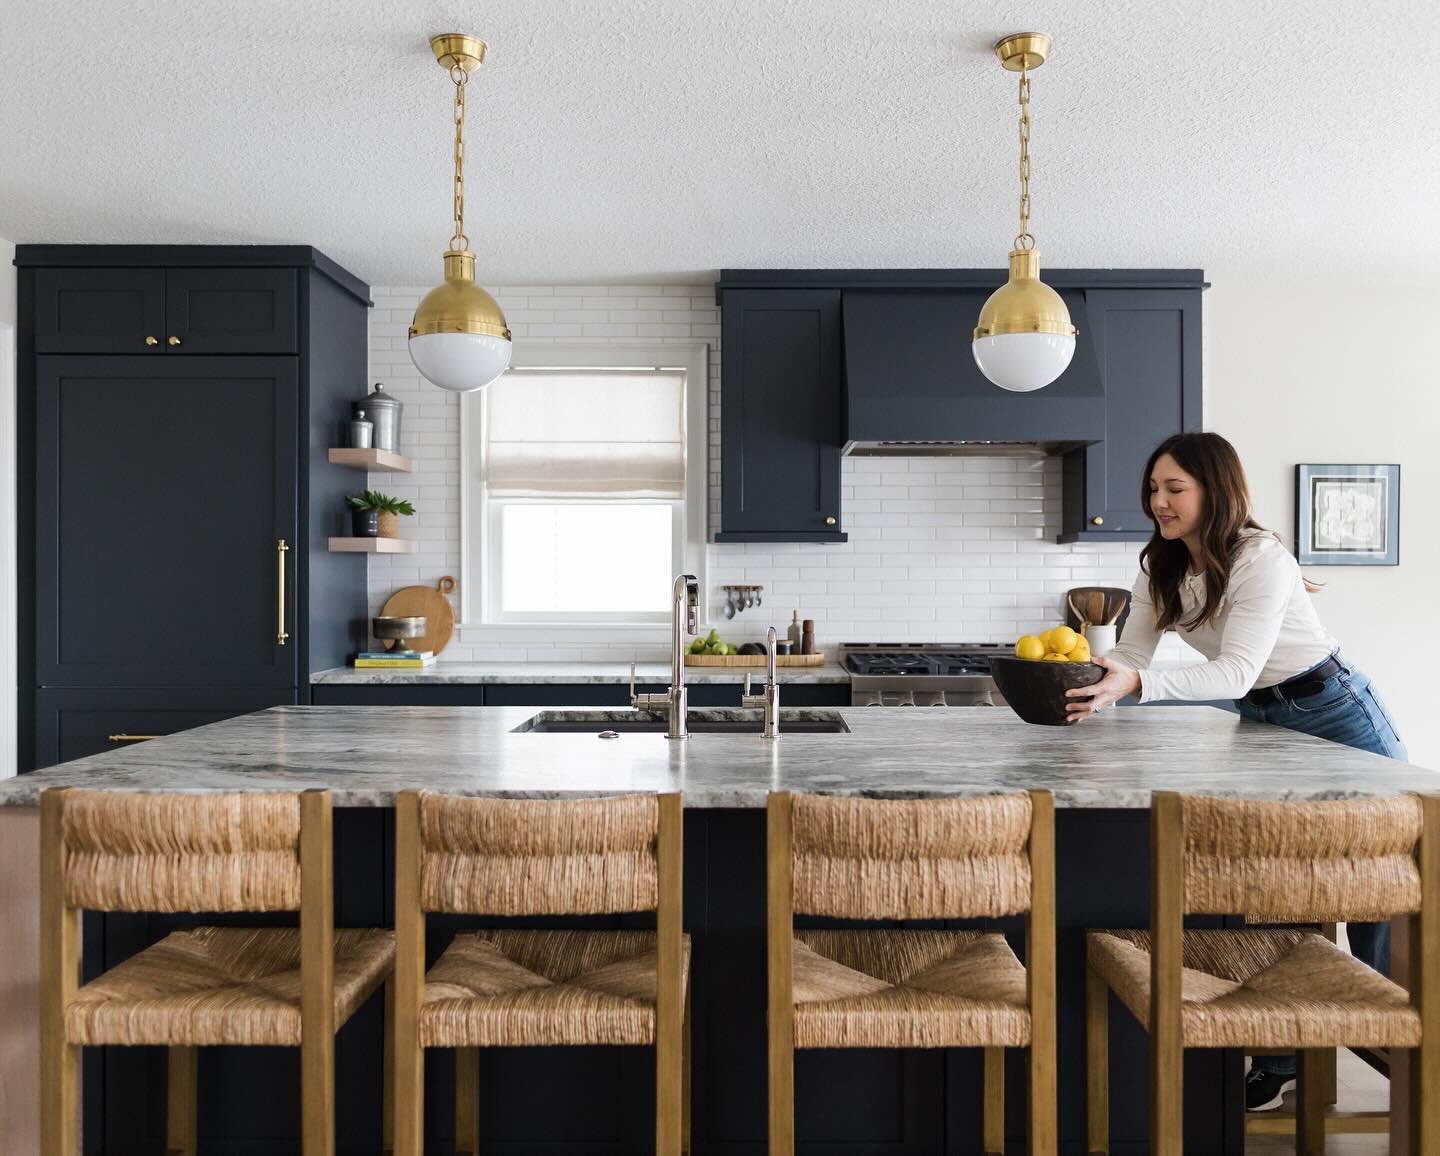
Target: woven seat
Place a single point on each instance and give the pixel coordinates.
(1263, 989)
(502, 988)
(908, 989)
(221, 985)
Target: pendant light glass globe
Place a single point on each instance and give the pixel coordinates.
(1025, 339)
(459, 339)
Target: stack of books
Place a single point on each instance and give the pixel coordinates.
(403, 659)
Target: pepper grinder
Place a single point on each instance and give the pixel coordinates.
(807, 637)
(792, 632)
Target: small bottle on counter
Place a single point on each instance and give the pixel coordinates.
(807, 637)
(792, 632)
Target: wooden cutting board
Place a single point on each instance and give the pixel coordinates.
(430, 601)
(754, 659)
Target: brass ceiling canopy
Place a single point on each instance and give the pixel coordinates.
(1021, 52)
(456, 50)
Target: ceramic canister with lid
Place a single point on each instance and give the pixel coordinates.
(384, 411)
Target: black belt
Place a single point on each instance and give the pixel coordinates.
(1311, 682)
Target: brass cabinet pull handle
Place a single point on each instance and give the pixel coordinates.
(152, 341)
(830, 521)
(124, 738)
(280, 635)
(1098, 520)
(172, 341)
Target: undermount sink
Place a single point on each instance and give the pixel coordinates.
(709, 721)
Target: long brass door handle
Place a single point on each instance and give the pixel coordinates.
(280, 634)
(124, 738)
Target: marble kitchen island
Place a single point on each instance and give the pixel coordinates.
(597, 1100)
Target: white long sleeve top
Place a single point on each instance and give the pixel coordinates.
(1265, 632)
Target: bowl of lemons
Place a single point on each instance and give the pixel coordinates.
(1043, 668)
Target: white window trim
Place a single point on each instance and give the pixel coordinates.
(694, 359)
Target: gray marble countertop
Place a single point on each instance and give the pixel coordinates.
(366, 754)
(449, 673)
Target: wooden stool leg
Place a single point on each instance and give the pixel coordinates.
(180, 1092)
(1097, 1063)
(669, 1084)
(685, 1089)
(59, 981)
(387, 1091)
(467, 1101)
(994, 1113)
(409, 980)
(1310, 1102)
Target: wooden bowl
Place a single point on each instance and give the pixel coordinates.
(1036, 690)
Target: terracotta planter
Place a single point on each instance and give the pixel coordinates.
(389, 525)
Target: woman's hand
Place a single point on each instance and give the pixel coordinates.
(1119, 681)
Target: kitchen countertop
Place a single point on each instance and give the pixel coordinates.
(366, 754)
(452, 673)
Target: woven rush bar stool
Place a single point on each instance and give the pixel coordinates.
(1282, 989)
(516, 988)
(208, 986)
(962, 858)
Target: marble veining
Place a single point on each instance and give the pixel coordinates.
(364, 754)
(649, 673)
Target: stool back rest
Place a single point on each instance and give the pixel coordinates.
(125, 851)
(1302, 861)
(539, 857)
(962, 858)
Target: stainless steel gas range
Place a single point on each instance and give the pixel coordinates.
(922, 673)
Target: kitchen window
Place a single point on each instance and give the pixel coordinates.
(581, 501)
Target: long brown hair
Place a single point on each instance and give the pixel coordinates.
(1213, 462)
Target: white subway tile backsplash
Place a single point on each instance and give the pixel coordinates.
(940, 549)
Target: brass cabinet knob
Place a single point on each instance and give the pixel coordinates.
(152, 341)
(830, 521)
(1098, 520)
(172, 341)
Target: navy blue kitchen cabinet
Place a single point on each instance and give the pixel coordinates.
(780, 416)
(1147, 343)
(546, 694)
(159, 479)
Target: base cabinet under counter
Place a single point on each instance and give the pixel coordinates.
(71, 724)
(560, 694)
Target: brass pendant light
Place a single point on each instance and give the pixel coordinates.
(459, 339)
(1025, 339)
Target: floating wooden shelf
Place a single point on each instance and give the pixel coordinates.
(373, 545)
(375, 461)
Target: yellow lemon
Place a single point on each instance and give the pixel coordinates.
(1053, 657)
(1030, 647)
(1063, 640)
(1044, 637)
(1081, 653)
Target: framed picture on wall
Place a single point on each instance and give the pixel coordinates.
(1347, 515)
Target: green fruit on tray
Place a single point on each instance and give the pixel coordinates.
(698, 646)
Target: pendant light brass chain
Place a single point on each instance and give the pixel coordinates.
(459, 241)
(1023, 239)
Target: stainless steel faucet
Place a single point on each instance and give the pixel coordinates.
(770, 700)
(685, 620)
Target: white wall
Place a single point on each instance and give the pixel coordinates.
(8, 730)
(940, 549)
(1328, 373)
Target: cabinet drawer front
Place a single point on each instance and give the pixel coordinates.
(162, 488)
(100, 311)
(71, 724)
(230, 311)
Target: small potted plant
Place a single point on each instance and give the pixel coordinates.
(377, 515)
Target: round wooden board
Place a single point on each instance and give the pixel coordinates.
(754, 659)
(433, 604)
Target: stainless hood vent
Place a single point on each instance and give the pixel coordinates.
(912, 387)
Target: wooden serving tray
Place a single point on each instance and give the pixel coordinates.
(754, 659)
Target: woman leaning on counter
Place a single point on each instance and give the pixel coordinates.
(1235, 594)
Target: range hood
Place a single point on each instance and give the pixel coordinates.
(912, 388)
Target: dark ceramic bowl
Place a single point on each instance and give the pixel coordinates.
(1036, 690)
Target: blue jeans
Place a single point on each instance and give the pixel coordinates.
(1346, 709)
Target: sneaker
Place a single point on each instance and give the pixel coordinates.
(1265, 1090)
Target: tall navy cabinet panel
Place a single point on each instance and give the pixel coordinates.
(178, 404)
(780, 416)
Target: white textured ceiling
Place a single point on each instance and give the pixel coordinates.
(662, 139)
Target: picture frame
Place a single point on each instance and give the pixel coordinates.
(1347, 514)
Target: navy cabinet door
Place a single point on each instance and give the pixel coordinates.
(780, 416)
(1148, 345)
(230, 310)
(71, 724)
(163, 487)
(100, 311)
